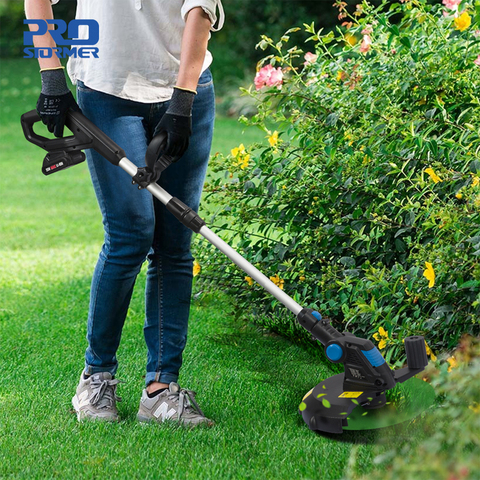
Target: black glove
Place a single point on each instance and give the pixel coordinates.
(177, 122)
(55, 101)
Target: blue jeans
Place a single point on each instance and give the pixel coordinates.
(138, 227)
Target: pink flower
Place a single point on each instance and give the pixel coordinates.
(366, 43)
(476, 33)
(262, 76)
(368, 30)
(451, 4)
(310, 58)
(268, 76)
(276, 78)
(477, 61)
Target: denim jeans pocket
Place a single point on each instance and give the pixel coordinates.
(205, 79)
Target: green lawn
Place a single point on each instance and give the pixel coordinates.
(249, 382)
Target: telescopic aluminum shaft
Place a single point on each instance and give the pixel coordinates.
(215, 240)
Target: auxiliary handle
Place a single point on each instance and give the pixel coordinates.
(156, 162)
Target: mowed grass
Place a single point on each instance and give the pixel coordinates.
(248, 381)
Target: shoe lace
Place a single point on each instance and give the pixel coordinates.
(104, 392)
(186, 401)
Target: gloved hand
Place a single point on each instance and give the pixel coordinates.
(177, 122)
(55, 100)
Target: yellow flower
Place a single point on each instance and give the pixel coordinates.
(459, 196)
(433, 175)
(429, 274)
(238, 150)
(475, 407)
(302, 278)
(241, 155)
(249, 280)
(452, 362)
(196, 268)
(475, 181)
(462, 22)
(273, 139)
(310, 212)
(381, 336)
(278, 281)
(430, 353)
(350, 39)
(340, 75)
(244, 162)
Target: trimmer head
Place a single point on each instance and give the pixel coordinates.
(367, 376)
(328, 408)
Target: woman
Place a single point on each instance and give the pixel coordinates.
(151, 75)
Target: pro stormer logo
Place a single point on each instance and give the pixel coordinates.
(77, 47)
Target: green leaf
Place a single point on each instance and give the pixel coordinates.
(249, 185)
(382, 20)
(470, 284)
(475, 166)
(406, 41)
(326, 39)
(292, 30)
(394, 29)
(331, 119)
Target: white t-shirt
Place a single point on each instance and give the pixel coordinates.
(139, 46)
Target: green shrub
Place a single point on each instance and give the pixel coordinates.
(375, 172)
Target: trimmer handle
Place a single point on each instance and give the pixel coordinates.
(29, 119)
(66, 151)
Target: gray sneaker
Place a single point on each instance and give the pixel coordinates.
(96, 398)
(174, 404)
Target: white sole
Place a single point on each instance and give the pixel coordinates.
(85, 414)
(76, 407)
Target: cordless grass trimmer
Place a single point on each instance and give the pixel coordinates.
(327, 406)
